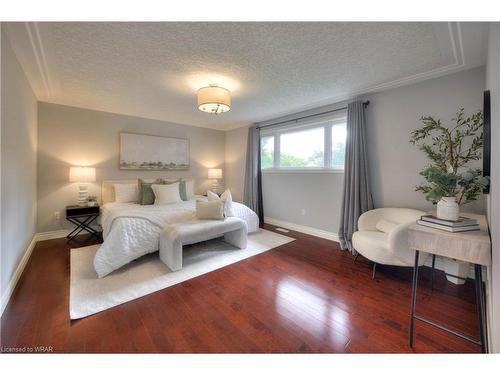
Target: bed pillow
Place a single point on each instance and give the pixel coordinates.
(186, 189)
(146, 195)
(209, 210)
(226, 199)
(165, 194)
(126, 193)
(386, 226)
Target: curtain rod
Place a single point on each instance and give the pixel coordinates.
(365, 104)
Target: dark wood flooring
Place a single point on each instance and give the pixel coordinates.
(305, 296)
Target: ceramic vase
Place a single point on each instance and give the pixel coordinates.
(447, 209)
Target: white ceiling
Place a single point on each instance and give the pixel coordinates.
(153, 70)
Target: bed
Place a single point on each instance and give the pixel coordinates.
(131, 230)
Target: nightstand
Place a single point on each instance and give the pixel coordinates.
(82, 217)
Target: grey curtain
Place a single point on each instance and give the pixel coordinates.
(357, 196)
(252, 196)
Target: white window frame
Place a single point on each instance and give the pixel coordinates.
(326, 124)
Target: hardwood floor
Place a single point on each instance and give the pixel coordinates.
(305, 296)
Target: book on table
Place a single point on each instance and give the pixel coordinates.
(448, 228)
(461, 222)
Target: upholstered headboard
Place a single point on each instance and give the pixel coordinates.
(108, 189)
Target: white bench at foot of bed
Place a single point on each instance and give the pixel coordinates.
(175, 236)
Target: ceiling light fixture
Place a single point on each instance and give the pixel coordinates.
(214, 99)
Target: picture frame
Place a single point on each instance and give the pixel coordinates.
(153, 152)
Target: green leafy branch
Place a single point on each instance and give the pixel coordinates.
(450, 150)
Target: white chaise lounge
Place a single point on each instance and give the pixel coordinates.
(174, 237)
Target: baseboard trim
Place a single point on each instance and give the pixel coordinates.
(42, 236)
(17, 274)
(303, 229)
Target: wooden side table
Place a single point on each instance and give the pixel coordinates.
(473, 247)
(82, 217)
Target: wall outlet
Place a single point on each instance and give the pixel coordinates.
(303, 212)
(57, 215)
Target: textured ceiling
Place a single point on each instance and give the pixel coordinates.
(154, 69)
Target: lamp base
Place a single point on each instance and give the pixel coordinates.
(215, 187)
(83, 193)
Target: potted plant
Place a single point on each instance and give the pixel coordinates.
(91, 200)
(450, 181)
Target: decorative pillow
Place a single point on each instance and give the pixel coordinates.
(146, 195)
(165, 194)
(186, 189)
(226, 199)
(126, 193)
(209, 210)
(386, 226)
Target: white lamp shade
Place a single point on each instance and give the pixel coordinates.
(214, 173)
(214, 99)
(82, 174)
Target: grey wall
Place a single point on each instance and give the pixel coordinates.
(18, 163)
(73, 136)
(394, 163)
(392, 114)
(493, 84)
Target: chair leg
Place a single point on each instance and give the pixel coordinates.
(433, 267)
(356, 257)
(374, 270)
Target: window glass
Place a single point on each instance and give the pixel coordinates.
(302, 149)
(338, 146)
(267, 152)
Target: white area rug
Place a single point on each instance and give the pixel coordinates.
(90, 295)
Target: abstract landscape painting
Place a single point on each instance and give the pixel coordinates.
(140, 151)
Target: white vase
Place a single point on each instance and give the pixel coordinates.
(447, 209)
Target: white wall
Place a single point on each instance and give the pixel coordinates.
(493, 84)
(18, 163)
(74, 136)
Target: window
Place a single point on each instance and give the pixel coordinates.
(303, 149)
(338, 145)
(267, 152)
(314, 146)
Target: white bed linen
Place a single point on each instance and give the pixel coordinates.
(131, 230)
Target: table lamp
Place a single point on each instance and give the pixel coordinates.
(83, 175)
(215, 174)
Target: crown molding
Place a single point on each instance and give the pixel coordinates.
(455, 38)
(47, 85)
(38, 51)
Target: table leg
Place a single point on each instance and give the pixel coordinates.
(413, 298)
(79, 226)
(480, 305)
(82, 225)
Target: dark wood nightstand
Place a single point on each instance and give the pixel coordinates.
(82, 217)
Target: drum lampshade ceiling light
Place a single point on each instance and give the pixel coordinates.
(214, 99)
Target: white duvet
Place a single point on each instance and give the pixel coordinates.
(131, 230)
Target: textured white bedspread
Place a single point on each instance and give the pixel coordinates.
(131, 230)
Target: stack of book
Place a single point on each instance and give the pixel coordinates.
(463, 224)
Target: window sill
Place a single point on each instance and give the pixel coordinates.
(302, 170)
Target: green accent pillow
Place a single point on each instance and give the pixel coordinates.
(182, 190)
(146, 195)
